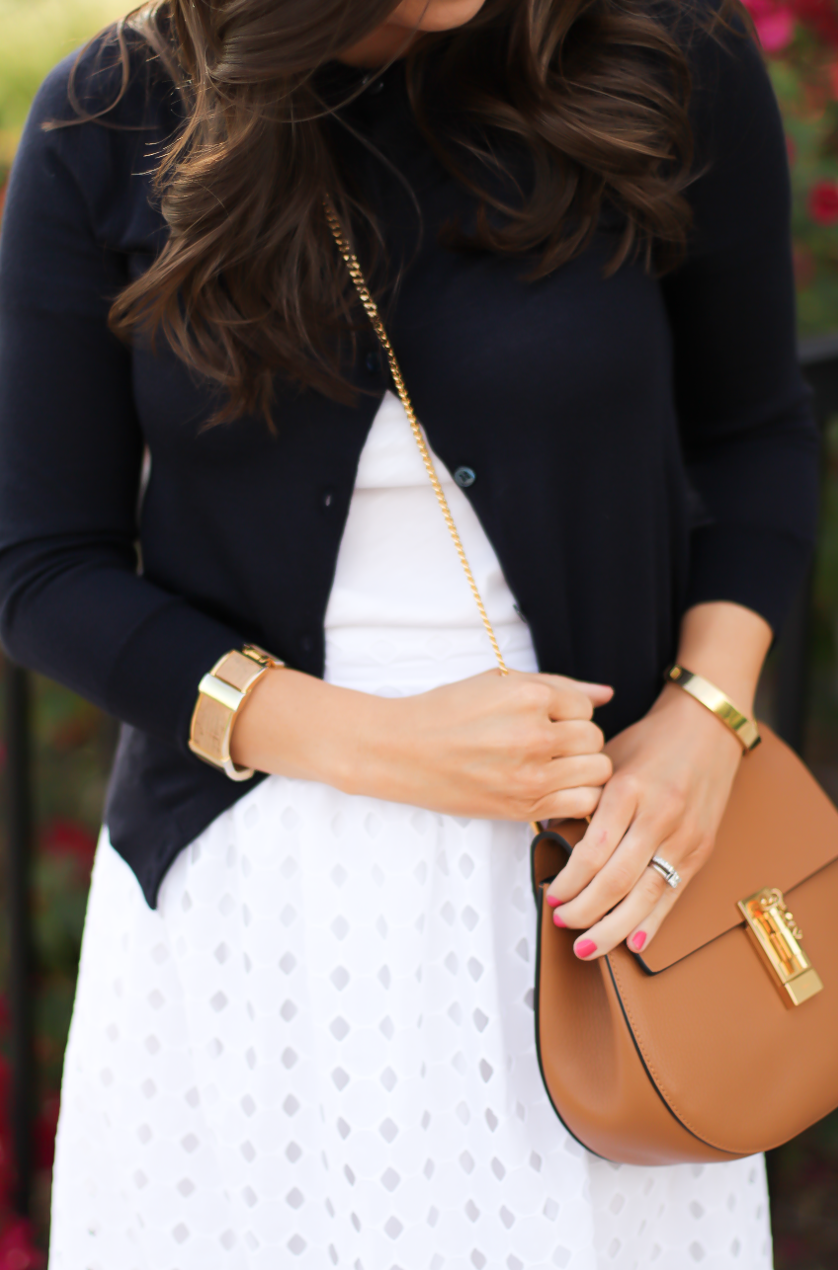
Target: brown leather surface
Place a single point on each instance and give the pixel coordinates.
(778, 806)
(736, 1064)
(591, 1067)
(548, 857)
(739, 1070)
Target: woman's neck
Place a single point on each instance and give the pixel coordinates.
(380, 47)
(406, 24)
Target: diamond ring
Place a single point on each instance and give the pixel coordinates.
(667, 871)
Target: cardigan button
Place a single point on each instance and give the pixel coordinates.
(465, 476)
(372, 361)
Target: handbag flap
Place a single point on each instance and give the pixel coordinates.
(778, 829)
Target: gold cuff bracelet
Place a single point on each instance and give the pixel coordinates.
(220, 697)
(744, 729)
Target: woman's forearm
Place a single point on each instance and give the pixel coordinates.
(296, 725)
(727, 644)
(515, 747)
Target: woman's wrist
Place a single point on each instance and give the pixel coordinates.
(682, 709)
(296, 725)
(727, 645)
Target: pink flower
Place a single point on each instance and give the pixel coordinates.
(774, 23)
(819, 16)
(65, 838)
(823, 203)
(17, 1250)
(45, 1128)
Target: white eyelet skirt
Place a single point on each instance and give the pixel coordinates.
(319, 1052)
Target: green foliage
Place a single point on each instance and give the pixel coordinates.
(804, 73)
(73, 743)
(36, 35)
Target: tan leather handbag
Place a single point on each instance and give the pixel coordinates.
(721, 1040)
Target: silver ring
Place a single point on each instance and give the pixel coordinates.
(667, 871)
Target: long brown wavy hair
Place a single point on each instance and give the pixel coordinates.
(248, 284)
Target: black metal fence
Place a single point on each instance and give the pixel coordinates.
(820, 361)
(18, 865)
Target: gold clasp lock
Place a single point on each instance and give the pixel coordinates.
(778, 937)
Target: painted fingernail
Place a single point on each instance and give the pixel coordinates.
(557, 921)
(553, 902)
(638, 940)
(584, 948)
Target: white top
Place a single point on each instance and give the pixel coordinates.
(400, 592)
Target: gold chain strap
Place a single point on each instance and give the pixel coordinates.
(371, 307)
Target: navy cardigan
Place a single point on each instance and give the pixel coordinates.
(639, 445)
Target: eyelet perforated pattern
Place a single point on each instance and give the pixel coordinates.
(319, 1050)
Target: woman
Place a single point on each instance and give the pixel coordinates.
(303, 1028)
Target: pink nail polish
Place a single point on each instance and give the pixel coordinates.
(585, 947)
(638, 940)
(557, 921)
(553, 902)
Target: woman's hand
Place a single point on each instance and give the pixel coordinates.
(515, 747)
(673, 772)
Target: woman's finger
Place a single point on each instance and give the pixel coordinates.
(645, 929)
(577, 769)
(572, 736)
(571, 787)
(627, 863)
(567, 804)
(617, 878)
(562, 698)
(614, 814)
(597, 694)
(636, 919)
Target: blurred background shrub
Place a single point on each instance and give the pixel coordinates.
(73, 741)
(34, 35)
(801, 42)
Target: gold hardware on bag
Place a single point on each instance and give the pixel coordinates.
(778, 937)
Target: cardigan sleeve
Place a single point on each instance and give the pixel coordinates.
(72, 602)
(749, 437)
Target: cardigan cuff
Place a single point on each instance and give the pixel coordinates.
(758, 567)
(154, 679)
